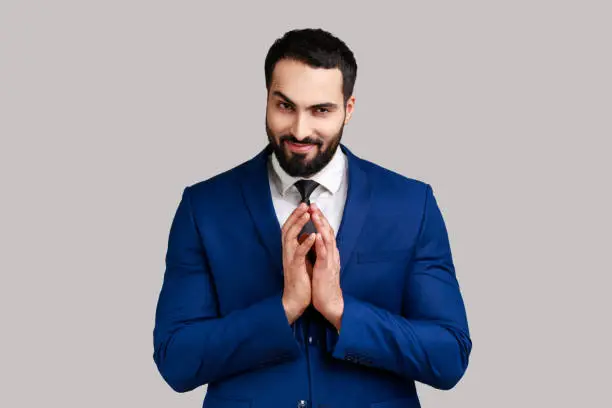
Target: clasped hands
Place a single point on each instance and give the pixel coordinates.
(305, 283)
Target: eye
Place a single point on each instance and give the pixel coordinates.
(322, 110)
(284, 106)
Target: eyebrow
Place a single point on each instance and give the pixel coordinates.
(328, 105)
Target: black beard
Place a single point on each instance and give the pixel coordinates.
(295, 165)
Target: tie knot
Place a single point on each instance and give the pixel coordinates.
(306, 187)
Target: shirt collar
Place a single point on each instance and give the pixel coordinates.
(330, 176)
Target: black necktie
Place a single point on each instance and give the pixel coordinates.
(306, 187)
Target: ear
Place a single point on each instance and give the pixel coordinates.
(350, 106)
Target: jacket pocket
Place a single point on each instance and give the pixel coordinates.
(383, 256)
(213, 401)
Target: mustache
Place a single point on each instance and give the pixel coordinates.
(304, 141)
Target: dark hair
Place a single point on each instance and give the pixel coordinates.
(316, 48)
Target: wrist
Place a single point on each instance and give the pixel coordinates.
(292, 309)
(334, 312)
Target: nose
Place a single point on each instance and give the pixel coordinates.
(300, 128)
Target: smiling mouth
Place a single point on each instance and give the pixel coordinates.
(300, 147)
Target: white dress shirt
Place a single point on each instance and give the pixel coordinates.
(329, 195)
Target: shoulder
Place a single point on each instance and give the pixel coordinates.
(219, 185)
(395, 197)
(384, 180)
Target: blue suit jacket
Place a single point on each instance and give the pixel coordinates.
(220, 320)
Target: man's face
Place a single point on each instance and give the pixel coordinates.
(305, 116)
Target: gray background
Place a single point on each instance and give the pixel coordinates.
(110, 108)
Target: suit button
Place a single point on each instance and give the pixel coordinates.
(302, 404)
(310, 340)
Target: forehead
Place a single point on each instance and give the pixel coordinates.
(306, 85)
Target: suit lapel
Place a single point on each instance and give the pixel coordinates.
(258, 199)
(356, 209)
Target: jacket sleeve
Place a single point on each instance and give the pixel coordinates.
(430, 341)
(193, 345)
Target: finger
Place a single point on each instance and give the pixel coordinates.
(324, 221)
(305, 246)
(320, 248)
(324, 229)
(295, 229)
(295, 214)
